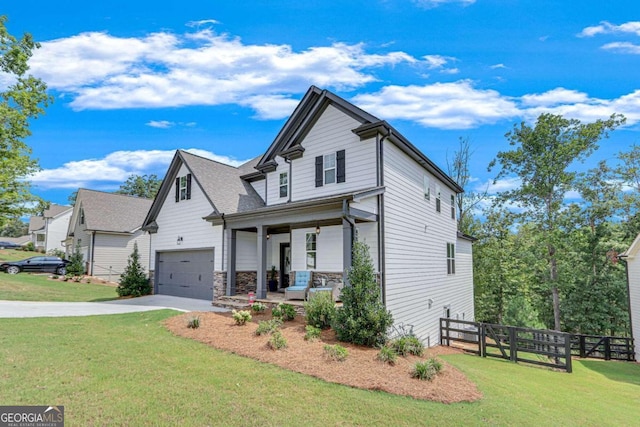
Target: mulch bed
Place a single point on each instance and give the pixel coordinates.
(360, 369)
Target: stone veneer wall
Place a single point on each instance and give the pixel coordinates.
(219, 284)
(246, 281)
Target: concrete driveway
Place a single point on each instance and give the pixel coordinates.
(15, 309)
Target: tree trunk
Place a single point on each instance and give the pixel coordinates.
(553, 276)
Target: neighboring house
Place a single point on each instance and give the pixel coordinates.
(333, 172)
(22, 240)
(50, 230)
(105, 227)
(632, 258)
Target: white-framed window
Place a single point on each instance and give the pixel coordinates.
(451, 258)
(284, 184)
(183, 187)
(426, 186)
(329, 168)
(81, 216)
(438, 198)
(453, 206)
(39, 237)
(311, 250)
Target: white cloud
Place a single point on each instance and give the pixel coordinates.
(429, 4)
(160, 124)
(496, 66)
(456, 105)
(115, 168)
(202, 22)
(101, 71)
(632, 27)
(623, 47)
(554, 97)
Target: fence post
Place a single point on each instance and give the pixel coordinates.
(607, 348)
(583, 350)
(567, 353)
(483, 340)
(513, 344)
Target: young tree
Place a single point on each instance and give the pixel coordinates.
(362, 319)
(145, 186)
(541, 160)
(76, 263)
(24, 99)
(134, 281)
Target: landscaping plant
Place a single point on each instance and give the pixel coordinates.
(277, 341)
(241, 317)
(408, 344)
(362, 319)
(258, 307)
(312, 333)
(268, 326)
(320, 310)
(285, 312)
(388, 355)
(76, 263)
(134, 281)
(194, 322)
(336, 352)
(426, 370)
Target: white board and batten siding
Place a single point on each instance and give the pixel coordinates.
(111, 253)
(332, 132)
(418, 288)
(184, 219)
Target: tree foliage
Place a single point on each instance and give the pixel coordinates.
(23, 100)
(14, 227)
(541, 160)
(145, 186)
(134, 281)
(362, 319)
(76, 263)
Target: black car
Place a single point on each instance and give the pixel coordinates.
(46, 264)
(9, 245)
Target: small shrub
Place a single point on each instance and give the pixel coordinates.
(54, 277)
(76, 263)
(29, 247)
(336, 352)
(56, 252)
(388, 355)
(268, 326)
(134, 281)
(320, 310)
(408, 345)
(284, 311)
(241, 317)
(312, 334)
(258, 307)
(277, 341)
(193, 323)
(426, 370)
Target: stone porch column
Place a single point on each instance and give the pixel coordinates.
(261, 274)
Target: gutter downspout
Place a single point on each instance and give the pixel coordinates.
(93, 251)
(224, 228)
(345, 217)
(626, 267)
(381, 240)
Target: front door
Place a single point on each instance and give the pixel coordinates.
(285, 264)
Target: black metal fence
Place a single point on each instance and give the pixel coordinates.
(536, 346)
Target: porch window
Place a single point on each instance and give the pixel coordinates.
(311, 250)
(451, 258)
(330, 168)
(453, 207)
(438, 198)
(284, 184)
(183, 187)
(426, 187)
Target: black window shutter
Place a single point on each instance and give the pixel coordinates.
(340, 166)
(188, 186)
(177, 190)
(319, 172)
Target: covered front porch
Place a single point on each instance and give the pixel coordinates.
(264, 249)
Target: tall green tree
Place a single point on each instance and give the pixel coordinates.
(467, 202)
(145, 186)
(14, 227)
(23, 100)
(541, 159)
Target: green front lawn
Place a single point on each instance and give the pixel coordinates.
(13, 255)
(129, 370)
(38, 287)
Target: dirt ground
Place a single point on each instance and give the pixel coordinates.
(360, 369)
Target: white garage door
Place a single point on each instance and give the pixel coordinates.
(186, 274)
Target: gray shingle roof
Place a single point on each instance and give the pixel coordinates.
(112, 212)
(36, 223)
(222, 184)
(55, 210)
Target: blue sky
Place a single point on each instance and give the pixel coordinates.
(134, 81)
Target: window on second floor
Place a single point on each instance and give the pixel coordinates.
(81, 216)
(438, 198)
(453, 207)
(183, 187)
(451, 258)
(284, 184)
(426, 187)
(330, 168)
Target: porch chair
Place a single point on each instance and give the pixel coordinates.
(301, 284)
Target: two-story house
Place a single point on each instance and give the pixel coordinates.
(333, 173)
(104, 227)
(50, 230)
